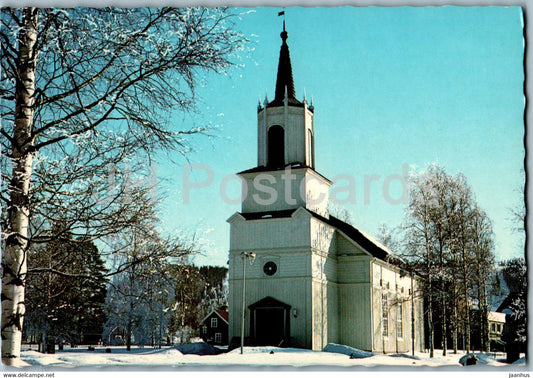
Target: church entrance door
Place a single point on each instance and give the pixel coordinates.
(270, 321)
(270, 327)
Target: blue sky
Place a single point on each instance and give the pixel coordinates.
(391, 86)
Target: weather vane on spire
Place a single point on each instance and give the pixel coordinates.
(282, 13)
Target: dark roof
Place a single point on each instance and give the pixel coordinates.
(268, 214)
(223, 314)
(269, 302)
(360, 238)
(356, 235)
(285, 79)
(349, 230)
(296, 165)
(506, 303)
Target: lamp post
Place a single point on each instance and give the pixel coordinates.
(244, 255)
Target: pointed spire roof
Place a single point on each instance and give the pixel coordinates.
(285, 81)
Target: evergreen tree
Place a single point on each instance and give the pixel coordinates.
(515, 329)
(66, 291)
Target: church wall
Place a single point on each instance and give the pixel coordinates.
(354, 315)
(324, 273)
(316, 193)
(353, 269)
(258, 199)
(325, 320)
(293, 291)
(333, 313)
(264, 234)
(390, 281)
(290, 284)
(347, 247)
(323, 239)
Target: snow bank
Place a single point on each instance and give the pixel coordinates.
(349, 351)
(202, 349)
(268, 349)
(404, 355)
(482, 359)
(260, 357)
(39, 359)
(521, 361)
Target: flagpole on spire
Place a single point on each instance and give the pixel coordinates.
(282, 13)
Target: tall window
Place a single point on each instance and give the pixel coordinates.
(385, 314)
(204, 329)
(214, 322)
(276, 147)
(218, 337)
(399, 320)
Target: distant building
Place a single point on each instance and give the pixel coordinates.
(496, 324)
(315, 279)
(214, 327)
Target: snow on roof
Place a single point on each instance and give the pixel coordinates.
(496, 317)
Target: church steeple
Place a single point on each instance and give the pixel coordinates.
(285, 133)
(285, 81)
(285, 143)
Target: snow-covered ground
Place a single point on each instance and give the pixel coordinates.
(252, 357)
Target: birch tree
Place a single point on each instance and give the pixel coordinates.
(447, 237)
(482, 244)
(418, 243)
(80, 89)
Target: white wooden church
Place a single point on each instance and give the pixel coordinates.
(315, 279)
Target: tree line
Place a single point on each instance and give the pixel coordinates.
(156, 300)
(448, 240)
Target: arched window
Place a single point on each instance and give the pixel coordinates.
(276, 147)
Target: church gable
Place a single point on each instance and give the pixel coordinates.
(346, 246)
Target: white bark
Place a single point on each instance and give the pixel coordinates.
(14, 262)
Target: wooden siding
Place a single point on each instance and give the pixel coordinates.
(262, 234)
(322, 236)
(295, 292)
(389, 280)
(355, 323)
(307, 189)
(347, 247)
(290, 264)
(325, 314)
(353, 269)
(333, 313)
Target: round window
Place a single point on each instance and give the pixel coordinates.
(270, 268)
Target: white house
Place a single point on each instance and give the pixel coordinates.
(315, 279)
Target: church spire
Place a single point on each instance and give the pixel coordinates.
(285, 81)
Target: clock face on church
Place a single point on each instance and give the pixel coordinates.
(270, 268)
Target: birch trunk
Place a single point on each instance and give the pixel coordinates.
(14, 262)
(430, 308)
(455, 320)
(444, 326)
(465, 296)
(485, 322)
